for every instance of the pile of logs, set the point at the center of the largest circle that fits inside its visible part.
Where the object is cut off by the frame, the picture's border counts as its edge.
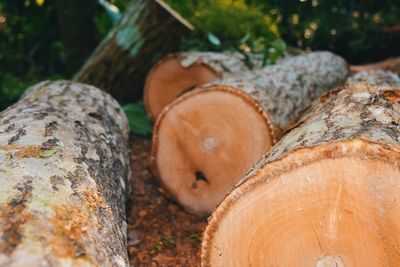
(326, 195)
(315, 198)
(297, 163)
(178, 73)
(205, 140)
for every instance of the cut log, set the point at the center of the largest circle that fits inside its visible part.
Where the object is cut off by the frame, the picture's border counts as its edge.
(120, 63)
(326, 195)
(208, 138)
(178, 73)
(390, 64)
(375, 77)
(64, 176)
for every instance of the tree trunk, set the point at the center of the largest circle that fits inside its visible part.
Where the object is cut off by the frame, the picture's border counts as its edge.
(375, 77)
(78, 31)
(205, 140)
(148, 30)
(326, 194)
(64, 175)
(178, 73)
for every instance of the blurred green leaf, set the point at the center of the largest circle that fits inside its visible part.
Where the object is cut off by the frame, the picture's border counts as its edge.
(47, 153)
(245, 38)
(213, 39)
(170, 240)
(112, 11)
(138, 120)
(279, 44)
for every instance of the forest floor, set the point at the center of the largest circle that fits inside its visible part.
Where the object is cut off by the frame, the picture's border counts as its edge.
(160, 233)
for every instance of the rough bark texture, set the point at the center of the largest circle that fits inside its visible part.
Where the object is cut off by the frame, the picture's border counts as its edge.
(285, 89)
(222, 63)
(64, 175)
(361, 112)
(148, 30)
(78, 30)
(375, 77)
(359, 121)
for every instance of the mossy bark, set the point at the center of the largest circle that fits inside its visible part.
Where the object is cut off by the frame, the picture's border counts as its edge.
(148, 30)
(64, 175)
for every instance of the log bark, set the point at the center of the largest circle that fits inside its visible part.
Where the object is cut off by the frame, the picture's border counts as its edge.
(178, 73)
(147, 31)
(284, 90)
(326, 193)
(390, 64)
(375, 77)
(64, 175)
(204, 141)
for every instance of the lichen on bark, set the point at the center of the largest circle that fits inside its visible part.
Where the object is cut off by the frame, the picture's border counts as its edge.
(375, 77)
(360, 111)
(64, 178)
(285, 89)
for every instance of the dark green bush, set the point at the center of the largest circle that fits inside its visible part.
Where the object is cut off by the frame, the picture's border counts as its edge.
(29, 48)
(360, 30)
(226, 24)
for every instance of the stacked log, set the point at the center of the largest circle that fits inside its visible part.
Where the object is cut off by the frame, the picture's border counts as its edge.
(64, 176)
(375, 77)
(179, 73)
(326, 195)
(121, 61)
(390, 64)
(207, 139)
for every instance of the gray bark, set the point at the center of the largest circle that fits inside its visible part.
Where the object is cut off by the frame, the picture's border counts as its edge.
(222, 63)
(285, 89)
(64, 175)
(375, 77)
(362, 111)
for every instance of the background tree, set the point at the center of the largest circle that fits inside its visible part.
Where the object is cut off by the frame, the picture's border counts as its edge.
(78, 30)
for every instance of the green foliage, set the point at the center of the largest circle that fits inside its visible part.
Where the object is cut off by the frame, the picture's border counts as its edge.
(28, 49)
(31, 49)
(12, 88)
(222, 24)
(230, 20)
(230, 25)
(361, 31)
(137, 116)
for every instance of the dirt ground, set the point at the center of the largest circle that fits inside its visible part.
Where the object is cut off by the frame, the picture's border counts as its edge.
(160, 233)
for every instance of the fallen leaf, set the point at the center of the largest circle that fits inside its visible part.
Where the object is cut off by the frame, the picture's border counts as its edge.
(47, 153)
